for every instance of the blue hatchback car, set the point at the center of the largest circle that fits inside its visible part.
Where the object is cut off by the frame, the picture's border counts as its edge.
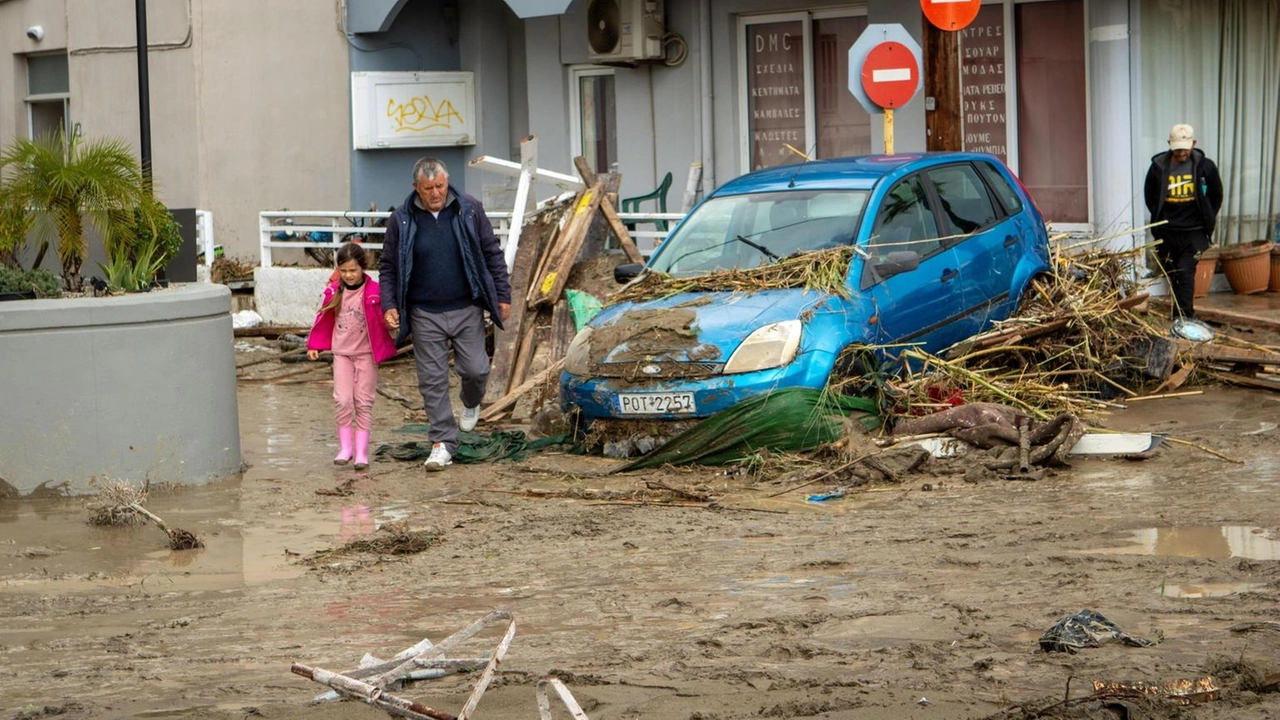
(944, 244)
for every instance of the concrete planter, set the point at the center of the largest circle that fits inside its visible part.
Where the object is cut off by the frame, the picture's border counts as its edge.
(134, 387)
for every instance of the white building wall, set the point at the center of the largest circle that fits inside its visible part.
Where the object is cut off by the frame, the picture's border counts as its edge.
(273, 113)
(249, 101)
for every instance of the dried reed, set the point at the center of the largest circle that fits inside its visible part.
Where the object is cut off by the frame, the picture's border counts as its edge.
(821, 270)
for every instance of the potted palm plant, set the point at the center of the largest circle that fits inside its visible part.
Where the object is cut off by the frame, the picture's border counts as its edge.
(64, 182)
(132, 386)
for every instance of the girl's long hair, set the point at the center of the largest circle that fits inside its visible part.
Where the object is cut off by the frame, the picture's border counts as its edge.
(350, 251)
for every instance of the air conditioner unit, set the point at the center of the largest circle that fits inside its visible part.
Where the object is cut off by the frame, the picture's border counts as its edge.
(624, 31)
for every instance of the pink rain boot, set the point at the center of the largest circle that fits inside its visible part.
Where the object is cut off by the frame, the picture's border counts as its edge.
(344, 445)
(362, 449)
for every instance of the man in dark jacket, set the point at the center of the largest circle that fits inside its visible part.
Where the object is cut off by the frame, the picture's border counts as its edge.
(441, 269)
(1184, 190)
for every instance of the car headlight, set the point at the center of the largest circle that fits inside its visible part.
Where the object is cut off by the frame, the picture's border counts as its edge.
(577, 359)
(768, 347)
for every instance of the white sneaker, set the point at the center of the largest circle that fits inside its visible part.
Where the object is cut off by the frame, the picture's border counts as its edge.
(439, 458)
(470, 416)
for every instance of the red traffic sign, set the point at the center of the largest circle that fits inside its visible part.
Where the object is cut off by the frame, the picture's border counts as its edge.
(890, 75)
(950, 14)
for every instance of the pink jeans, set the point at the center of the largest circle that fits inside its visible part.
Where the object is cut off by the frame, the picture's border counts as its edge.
(355, 382)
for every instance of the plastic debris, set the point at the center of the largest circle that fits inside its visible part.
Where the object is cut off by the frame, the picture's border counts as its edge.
(1087, 629)
(836, 494)
(245, 319)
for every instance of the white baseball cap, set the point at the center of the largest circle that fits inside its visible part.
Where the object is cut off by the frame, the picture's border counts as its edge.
(1182, 137)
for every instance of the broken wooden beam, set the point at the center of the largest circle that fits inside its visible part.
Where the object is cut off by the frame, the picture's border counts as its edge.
(1226, 353)
(549, 284)
(499, 408)
(370, 693)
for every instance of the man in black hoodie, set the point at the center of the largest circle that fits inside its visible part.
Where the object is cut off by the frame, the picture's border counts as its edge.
(1184, 190)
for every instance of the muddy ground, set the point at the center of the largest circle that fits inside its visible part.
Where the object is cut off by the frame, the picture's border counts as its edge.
(896, 601)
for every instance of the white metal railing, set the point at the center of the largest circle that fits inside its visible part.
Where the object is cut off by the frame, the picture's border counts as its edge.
(301, 229)
(204, 236)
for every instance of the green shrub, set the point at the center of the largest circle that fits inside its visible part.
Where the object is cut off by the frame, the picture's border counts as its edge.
(15, 221)
(16, 280)
(133, 270)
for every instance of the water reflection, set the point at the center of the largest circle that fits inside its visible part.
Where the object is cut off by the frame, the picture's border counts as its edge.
(1207, 541)
(1206, 590)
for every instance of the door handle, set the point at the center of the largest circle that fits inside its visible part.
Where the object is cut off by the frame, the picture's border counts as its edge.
(949, 274)
(1010, 240)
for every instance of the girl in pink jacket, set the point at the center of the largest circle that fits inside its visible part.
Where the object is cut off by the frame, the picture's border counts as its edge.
(350, 324)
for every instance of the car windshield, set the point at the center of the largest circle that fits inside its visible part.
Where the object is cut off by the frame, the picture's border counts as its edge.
(746, 231)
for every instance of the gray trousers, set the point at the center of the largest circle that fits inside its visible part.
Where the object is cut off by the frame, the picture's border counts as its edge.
(432, 334)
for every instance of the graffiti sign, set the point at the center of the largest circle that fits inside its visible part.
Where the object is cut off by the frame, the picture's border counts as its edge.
(412, 109)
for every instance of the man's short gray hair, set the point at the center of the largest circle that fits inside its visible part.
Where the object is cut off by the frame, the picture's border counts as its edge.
(428, 168)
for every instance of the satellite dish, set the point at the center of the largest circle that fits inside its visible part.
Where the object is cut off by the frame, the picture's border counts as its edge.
(604, 19)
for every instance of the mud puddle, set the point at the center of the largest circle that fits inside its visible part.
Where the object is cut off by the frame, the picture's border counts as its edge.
(49, 547)
(1205, 542)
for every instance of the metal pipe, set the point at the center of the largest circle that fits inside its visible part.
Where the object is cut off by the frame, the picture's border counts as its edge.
(704, 74)
(144, 93)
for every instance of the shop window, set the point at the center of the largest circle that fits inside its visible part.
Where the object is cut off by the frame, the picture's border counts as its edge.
(1047, 142)
(795, 97)
(48, 96)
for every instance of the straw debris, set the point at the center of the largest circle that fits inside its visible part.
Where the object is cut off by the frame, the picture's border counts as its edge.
(1080, 340)
(822, 270)
(393, 538)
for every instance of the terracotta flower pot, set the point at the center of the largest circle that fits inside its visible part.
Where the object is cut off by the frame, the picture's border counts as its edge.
(1274, 286)
(1205, 268)
(1247, 266)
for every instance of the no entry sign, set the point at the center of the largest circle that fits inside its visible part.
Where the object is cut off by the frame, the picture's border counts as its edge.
(890, 74)
(950, 14)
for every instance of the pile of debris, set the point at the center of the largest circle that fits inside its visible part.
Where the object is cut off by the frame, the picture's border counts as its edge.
(1083, 342)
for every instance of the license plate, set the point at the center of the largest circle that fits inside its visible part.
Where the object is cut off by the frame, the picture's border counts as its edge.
(673, 403)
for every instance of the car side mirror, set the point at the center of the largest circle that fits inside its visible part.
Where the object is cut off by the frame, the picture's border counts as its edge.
(897, 262)
(624, 274)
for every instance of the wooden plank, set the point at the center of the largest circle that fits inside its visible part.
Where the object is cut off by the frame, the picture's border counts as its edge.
(593, 244)
(562, 329)
(620, 232)
(1228, 317)
(584, 171)
(525, 347)
(508, 401)
(505, 343)
(543, 262)
(550, 285)
(1226, 354)
(1245, 380)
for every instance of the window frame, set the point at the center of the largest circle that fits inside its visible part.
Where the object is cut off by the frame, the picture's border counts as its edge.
(1012, 135)
(576, 73)
(997, 207)
(931, 204)
(29, 99)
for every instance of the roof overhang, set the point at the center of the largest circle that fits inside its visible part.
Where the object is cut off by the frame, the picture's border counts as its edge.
(537, 8)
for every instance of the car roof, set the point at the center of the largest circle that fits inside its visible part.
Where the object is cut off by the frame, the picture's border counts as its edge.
(851, 173)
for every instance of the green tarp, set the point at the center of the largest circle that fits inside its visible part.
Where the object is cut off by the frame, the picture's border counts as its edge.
(786, 420)
(473, 447)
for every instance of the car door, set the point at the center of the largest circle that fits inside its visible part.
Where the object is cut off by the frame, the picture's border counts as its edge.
(913, 306)
(985, 240)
